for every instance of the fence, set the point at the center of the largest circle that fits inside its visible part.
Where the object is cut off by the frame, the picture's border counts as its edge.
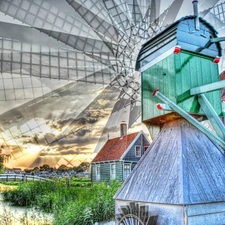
(20, 177)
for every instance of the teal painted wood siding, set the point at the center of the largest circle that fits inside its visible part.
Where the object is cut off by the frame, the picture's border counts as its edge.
(161, 76)
(119, 171)
(193, 71)
(174, 76)
(105, 171)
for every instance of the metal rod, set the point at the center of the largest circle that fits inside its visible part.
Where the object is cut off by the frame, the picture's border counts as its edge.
(214, 40)
(195, 7)
(212, 116)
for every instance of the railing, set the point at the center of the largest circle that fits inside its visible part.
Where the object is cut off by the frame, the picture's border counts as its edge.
(20, 177)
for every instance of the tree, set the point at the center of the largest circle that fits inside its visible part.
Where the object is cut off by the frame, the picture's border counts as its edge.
(35, 168)
(3, 158)
(1, 164)
(83, 167)
(45, 167)
(62, 168)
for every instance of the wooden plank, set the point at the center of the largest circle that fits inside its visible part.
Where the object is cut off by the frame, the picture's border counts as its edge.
(208, 88)
(182, 166)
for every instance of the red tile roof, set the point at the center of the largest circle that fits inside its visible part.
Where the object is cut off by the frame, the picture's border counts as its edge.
(114, 148)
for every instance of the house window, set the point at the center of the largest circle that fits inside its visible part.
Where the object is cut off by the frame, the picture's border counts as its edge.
(138, 151)
(126, 171)
(112, 171)
(145, 148)
(97, 172)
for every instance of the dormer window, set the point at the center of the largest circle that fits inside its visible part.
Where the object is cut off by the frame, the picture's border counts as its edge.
(145, 148)
(138, 151)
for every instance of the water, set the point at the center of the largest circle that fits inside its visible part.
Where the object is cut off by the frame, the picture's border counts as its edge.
(16, 215)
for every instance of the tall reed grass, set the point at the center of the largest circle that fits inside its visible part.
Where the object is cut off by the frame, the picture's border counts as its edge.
(75, 204)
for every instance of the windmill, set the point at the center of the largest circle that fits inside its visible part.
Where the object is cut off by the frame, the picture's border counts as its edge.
(180, 180)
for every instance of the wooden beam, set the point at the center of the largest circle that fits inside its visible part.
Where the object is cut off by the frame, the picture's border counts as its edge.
(213, 40)
(208, 87)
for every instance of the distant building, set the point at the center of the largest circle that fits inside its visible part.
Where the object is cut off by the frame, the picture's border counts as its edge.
(13, 171)
(119, 156)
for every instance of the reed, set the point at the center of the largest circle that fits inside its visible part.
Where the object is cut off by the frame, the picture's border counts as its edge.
(29, 217)
(81, 203)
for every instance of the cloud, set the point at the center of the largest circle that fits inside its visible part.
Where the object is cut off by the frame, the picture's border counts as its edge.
(59, 124)
(61, 150)
(60, 153)
(78, 140)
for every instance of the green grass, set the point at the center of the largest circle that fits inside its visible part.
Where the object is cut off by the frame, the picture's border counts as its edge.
(92, 205)
(13, 183)
(80, 203)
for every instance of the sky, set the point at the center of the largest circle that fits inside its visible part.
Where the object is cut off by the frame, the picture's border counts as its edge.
(68, 81)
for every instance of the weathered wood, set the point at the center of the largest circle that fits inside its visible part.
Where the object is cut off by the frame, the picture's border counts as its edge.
(180, 180)
(183, 166)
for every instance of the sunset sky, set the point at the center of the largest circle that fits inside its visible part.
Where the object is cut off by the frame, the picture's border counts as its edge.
(66, 86)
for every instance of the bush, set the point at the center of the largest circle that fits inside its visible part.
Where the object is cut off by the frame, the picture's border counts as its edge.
(47, 196)
(27, 193)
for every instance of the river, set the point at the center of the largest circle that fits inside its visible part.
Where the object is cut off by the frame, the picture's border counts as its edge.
(16, 215)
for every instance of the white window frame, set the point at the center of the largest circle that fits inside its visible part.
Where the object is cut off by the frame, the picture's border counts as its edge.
(98, 173)
(125, 175)
(136, 148)
(112, 171)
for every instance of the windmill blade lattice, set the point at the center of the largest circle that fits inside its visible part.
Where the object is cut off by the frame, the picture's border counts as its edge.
(78, 60)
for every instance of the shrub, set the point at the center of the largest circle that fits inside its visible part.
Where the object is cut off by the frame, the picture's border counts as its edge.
(27, 193)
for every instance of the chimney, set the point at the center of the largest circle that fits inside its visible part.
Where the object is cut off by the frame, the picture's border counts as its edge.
(123, 129)
(195, 8)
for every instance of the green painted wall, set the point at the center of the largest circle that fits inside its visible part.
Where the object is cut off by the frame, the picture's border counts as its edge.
(105, 171)
(119, 171)
(174, 76)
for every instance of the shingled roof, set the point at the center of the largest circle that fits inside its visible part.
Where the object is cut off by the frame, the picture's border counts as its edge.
(182, 166)
(115, 148)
